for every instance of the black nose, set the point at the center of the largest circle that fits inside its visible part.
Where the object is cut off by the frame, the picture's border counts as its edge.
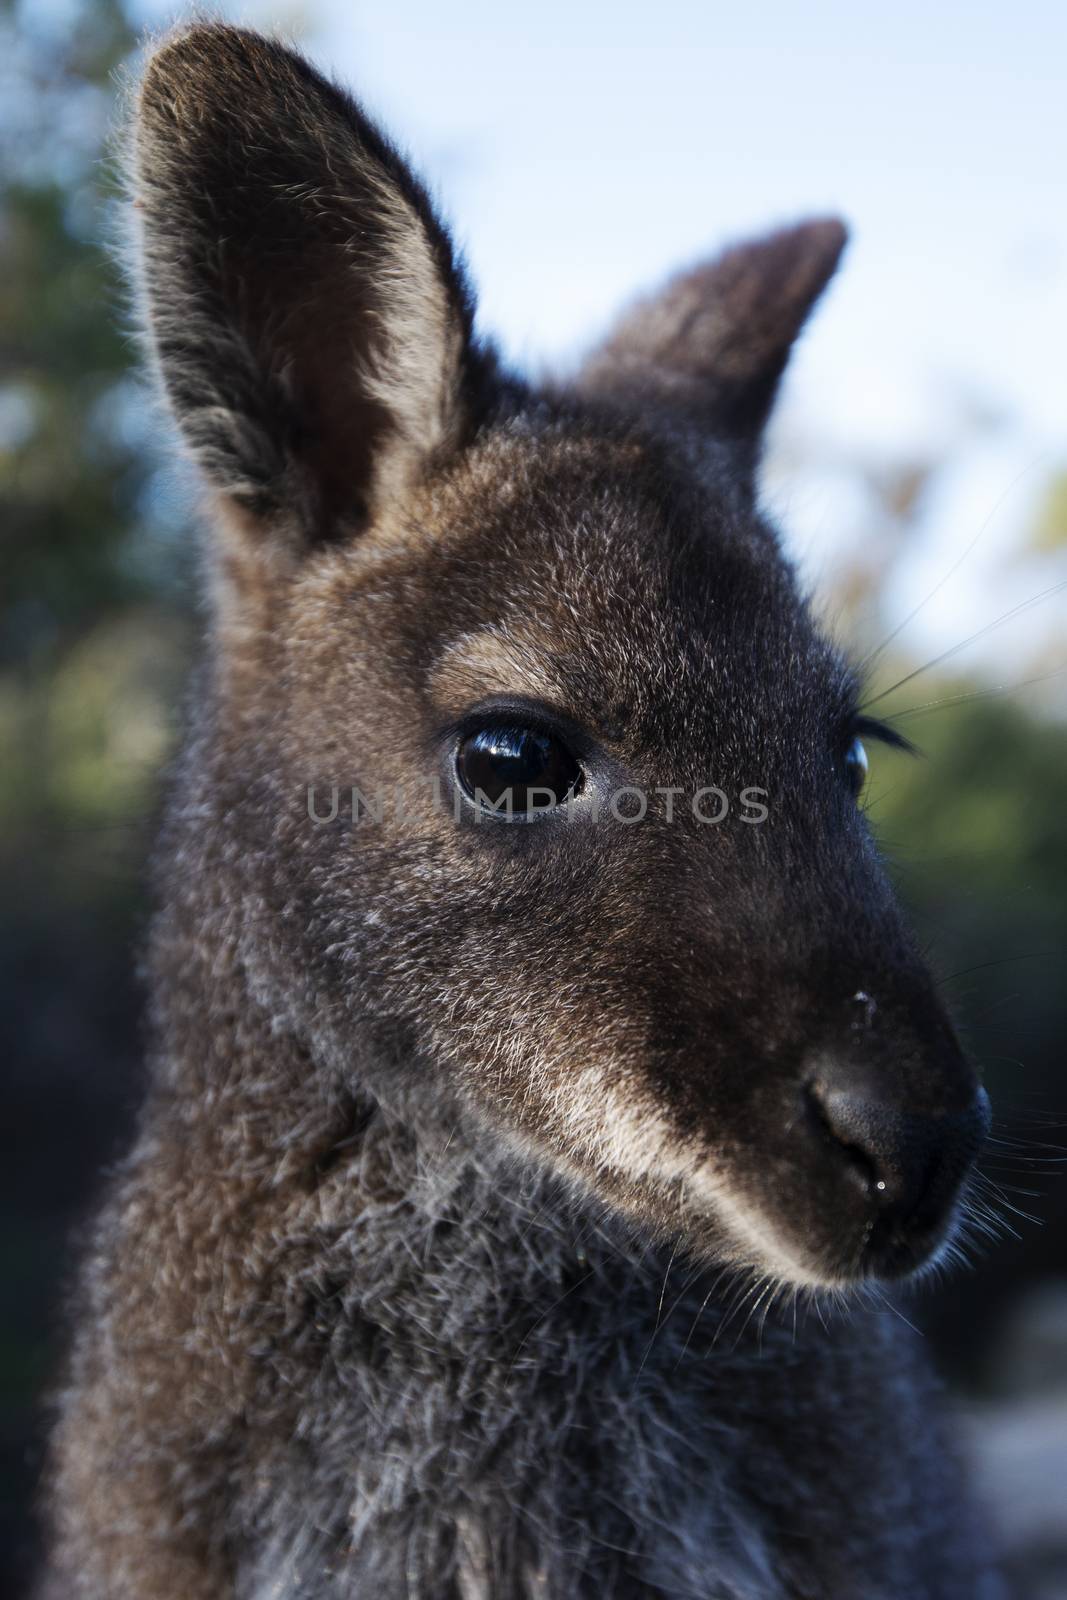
(908, 1164)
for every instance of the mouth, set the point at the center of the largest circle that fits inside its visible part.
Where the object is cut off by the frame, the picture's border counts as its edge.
(843, 1226)
(812, 1253)
(895, 1250)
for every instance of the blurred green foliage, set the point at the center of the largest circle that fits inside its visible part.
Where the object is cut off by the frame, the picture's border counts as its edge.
(91, 633)
(976, 828)
(1050, 528)
(94, 626)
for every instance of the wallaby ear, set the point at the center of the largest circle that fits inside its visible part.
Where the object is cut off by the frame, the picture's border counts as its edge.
(310, 323)
(714, 343)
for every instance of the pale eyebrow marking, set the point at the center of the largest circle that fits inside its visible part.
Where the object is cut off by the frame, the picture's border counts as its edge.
(493, 660)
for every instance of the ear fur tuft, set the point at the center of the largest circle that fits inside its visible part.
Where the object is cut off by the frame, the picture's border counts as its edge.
(712, 346)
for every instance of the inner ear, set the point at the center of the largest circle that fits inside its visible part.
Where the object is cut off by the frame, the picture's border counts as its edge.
(311, 325)
(308, 438)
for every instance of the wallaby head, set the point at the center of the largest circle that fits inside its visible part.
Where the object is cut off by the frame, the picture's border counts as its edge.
(715, 1020)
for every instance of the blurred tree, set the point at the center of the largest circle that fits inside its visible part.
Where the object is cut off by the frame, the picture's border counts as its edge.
(976, 831)
(80, 491)
(1050, 530)
(93, 618)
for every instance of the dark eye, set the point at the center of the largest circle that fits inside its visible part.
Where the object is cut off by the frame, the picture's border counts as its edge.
(516, 770)
(856, 766)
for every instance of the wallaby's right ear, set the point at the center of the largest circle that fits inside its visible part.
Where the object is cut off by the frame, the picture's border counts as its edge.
(312, 329)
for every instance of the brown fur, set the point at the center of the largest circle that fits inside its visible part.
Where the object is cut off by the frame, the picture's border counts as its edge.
(483, 1164)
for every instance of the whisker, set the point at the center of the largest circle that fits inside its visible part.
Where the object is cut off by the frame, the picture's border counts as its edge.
(947, 655)
(661, 1318)
(993, 693)
(700, 1309)
(1026, 1216)
(762, 1285)
(749, 1285)
(880, 649)
(999, 961)
(883, 1299)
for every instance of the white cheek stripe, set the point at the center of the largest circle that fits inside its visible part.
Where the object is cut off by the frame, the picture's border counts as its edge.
(640, 1142)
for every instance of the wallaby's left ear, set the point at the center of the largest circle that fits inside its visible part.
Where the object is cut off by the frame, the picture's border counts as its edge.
(713, 345)
(311, 326)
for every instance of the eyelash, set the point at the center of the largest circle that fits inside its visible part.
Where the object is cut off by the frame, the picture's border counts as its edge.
(883, 733)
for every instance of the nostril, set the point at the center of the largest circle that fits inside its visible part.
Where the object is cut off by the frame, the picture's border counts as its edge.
(908, 1164)
(848, 1122)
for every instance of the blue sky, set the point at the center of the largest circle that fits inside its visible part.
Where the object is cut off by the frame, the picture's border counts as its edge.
(583, 151)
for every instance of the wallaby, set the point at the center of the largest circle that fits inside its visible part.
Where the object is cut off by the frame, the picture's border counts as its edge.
(505, 1147)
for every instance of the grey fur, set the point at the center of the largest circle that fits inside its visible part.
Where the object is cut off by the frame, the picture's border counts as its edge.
(425, 1278)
